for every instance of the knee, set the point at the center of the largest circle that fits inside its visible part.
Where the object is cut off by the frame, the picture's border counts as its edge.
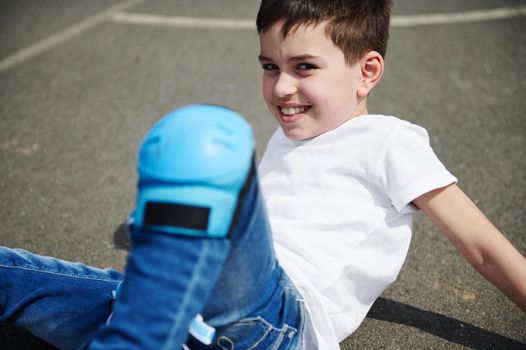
(192, 166)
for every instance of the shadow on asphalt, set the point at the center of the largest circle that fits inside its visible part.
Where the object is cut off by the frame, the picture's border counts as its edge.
(445, 327)
(15, 338)
(120, 239)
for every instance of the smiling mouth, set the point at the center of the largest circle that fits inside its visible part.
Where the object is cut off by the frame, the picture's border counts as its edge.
(288, 111)
(289, 115)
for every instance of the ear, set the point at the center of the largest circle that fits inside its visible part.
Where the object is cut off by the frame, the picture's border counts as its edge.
(371, 71)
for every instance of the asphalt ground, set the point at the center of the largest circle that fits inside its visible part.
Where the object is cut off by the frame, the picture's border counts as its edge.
(78, 89)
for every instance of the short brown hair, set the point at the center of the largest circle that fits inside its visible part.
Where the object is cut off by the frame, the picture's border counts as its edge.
(354, 26)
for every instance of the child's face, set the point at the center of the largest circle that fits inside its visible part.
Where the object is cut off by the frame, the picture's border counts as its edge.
(307, 84)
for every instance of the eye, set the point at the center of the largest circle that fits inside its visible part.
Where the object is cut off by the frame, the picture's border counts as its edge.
(269, 66)
(305, 66)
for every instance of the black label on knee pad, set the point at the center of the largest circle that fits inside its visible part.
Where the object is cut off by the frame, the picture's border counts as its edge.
(176, 215)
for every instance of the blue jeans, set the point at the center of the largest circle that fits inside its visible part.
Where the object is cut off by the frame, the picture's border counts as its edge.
(235, 283)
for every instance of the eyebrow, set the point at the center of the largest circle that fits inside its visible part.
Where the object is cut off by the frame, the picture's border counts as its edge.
(295, 58)
(304, 57)
(263, 58)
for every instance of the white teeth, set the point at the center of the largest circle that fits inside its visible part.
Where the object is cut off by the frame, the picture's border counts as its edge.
(292, 110)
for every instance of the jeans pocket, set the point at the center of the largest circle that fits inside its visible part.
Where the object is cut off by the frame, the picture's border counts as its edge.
(255, 333)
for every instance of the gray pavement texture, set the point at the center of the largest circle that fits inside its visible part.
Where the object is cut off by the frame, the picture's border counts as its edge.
(72, 116)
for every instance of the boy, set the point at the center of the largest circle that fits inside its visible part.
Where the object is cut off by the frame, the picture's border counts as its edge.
(340, 187)
(332, 161)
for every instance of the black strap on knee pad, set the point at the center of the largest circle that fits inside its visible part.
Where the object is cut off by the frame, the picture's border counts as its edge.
(176, 215)
(194, 217)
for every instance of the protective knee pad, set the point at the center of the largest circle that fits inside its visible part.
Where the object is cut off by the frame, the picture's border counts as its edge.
(192, 166)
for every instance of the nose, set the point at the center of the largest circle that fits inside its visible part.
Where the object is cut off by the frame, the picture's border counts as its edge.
(285, 86)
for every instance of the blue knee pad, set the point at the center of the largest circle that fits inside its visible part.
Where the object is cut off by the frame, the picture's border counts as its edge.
(192, 166)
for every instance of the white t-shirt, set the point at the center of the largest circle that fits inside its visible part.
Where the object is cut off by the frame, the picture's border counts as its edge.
(340, 210)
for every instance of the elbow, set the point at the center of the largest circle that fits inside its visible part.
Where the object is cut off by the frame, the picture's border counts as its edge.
(476, 257)
(487, 260)
(480, 261)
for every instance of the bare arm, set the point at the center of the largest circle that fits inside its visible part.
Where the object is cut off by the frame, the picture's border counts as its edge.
(481, 243)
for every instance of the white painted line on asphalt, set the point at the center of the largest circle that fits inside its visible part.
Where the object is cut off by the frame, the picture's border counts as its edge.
(396, 21)
(459, 17)
(115, 14)
(63, 35)
(178, 21)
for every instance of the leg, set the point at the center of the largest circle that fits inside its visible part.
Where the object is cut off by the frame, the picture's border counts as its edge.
(192, 167)
(61, 302)
(253, 305)
(204, 245)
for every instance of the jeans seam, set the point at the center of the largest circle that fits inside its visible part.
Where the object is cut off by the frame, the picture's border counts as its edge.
(187, 300)
(261, 339)
(278, 342)
(268, 329)
(58, 274)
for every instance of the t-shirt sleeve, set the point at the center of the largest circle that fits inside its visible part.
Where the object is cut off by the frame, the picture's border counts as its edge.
(411, 168)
